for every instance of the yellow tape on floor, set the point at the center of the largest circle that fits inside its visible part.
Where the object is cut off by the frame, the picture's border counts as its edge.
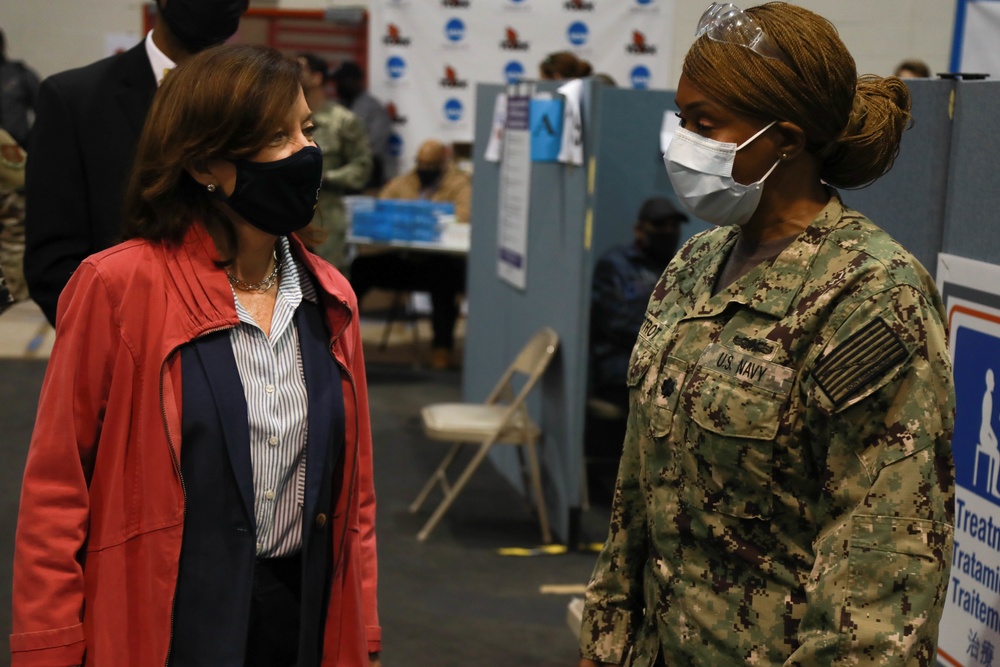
(562, 589)
(548, 549)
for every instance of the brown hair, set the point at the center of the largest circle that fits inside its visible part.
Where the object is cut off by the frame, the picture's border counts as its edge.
(853, 125)
(916, 67)
(564, 65)
(223, 103)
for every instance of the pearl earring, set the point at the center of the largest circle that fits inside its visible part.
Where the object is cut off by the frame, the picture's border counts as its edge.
(784, 156)
(210, 187)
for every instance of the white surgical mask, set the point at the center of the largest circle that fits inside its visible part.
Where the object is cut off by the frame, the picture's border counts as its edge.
(701, 171)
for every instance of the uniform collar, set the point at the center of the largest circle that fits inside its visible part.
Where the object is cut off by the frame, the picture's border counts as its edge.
(769, 289)
(783, 279)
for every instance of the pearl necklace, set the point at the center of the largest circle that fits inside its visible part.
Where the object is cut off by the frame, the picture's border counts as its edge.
(264, 285)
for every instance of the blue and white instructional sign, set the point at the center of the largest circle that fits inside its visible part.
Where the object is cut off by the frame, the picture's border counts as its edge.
(515, 193)
(970, 628)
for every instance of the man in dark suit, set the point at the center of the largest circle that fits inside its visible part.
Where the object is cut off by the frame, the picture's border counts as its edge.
(86, 128)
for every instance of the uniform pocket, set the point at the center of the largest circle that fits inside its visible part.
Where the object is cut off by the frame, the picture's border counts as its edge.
(663, 392)
(658, 389)
(729, 444)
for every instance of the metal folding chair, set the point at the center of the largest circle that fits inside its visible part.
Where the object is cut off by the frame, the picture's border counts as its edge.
(503, 418)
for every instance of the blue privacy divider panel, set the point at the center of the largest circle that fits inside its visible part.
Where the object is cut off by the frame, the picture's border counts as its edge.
(622, 135)
(501, 318)
(973, 200)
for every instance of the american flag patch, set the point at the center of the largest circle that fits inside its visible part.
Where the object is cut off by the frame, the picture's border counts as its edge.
(865, 355)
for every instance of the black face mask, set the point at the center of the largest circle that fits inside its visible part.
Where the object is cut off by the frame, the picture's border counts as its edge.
(661, 246)
(199, 24)
(428, 177)
(277, 197)
(348, 91)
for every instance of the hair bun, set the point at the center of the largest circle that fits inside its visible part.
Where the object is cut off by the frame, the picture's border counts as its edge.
(870, 143)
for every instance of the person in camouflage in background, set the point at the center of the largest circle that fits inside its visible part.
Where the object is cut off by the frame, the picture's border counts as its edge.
(12, 161)
(6, 300)
(347, 160)
(786, 491)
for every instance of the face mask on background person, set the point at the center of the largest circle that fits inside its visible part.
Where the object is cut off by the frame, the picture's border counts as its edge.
(199, 24)
(701, 171)
(428, 177)
(661, 245)
(277, 197)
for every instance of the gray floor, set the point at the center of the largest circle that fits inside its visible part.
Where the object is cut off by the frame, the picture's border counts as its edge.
(450, 601)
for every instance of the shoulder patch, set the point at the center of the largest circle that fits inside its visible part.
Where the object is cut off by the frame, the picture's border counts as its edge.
(867, 354)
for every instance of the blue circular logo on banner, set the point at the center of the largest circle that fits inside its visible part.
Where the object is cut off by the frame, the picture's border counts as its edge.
(395, 145)
(453, 109)
(395, 66)
(577, 33)
(640, 77)
(517, 2)
(513, 72)
(644, 2)
(455, 30)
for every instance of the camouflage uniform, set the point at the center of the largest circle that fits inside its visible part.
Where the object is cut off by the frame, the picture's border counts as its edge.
(786, 491)
(12, 161)
(6, 300)
(347, 163)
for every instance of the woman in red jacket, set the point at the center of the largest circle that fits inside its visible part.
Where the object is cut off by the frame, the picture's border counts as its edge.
(198, 489)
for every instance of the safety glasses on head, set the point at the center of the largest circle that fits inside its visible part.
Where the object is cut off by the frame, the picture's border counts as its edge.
(725, 22)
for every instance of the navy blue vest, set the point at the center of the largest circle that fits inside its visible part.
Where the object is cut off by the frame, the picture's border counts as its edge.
(215, 578)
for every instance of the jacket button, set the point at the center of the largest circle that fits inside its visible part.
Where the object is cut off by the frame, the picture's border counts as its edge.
(320, 520)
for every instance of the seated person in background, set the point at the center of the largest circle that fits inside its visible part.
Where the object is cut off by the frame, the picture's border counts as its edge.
(913, 69)
(347, 158)
(624, 278)
(563, 65)
(433, 179)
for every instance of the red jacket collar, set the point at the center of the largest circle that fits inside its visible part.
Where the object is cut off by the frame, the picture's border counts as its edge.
(205, 291)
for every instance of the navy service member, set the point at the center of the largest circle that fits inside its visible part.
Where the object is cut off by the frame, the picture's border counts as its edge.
(786, 491)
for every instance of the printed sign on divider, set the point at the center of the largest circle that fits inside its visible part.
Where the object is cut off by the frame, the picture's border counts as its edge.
(970, 628)
(515, 191)
(546, 129)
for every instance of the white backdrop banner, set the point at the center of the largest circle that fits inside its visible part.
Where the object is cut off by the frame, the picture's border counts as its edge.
(426, 56)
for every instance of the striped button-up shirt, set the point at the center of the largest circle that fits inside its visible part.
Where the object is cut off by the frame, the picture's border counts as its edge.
(270, 369)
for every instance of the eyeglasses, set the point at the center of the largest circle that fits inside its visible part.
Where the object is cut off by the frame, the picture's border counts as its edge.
(725, 22)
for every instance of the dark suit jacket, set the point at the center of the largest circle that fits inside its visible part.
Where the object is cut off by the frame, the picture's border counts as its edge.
(216, 572)
(80, 153)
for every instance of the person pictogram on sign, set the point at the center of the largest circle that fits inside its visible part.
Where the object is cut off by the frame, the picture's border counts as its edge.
(987, 439)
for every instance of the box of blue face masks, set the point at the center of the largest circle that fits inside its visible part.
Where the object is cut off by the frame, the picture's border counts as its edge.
(400, 219)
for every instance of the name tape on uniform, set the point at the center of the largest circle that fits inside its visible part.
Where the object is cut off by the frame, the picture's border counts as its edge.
(747, 367)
